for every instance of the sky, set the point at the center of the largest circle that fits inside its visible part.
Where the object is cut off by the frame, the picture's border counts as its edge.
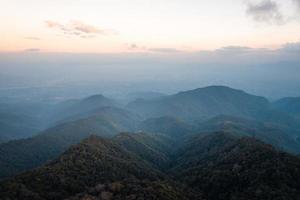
(156, 26)
(117, 46)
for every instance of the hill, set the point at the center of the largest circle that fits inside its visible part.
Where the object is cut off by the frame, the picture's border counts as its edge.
(156, 149)
(222, 166)
(24, 154)
(218, 166)
(283, 138)
(78, 108)
(25, 119)
(15, 126)
(20, 120)
(143, 95)
(95, 167)
(202, 103)
(93, 161)
(290, 105)
(170, 126)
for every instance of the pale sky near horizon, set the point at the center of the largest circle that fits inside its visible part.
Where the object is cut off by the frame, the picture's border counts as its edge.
(111, 26)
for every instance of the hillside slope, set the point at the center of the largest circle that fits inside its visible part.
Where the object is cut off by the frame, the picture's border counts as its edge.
(170, 126)
(289, 105)
(221, 167)
(95, 167)
(24, 154)
(93, 161)
(283, 138)
(218, 166)
(202, 103)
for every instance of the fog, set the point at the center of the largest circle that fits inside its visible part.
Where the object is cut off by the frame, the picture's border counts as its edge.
(40, 75)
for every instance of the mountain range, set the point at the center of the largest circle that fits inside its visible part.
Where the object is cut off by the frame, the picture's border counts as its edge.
(202, 103)
(209, 143)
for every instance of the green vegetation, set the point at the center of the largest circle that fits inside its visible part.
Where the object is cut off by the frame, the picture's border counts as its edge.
(218, 166)
(170, 126)
(281, 137)
(289, 105)
(202, 103)
(211, 143)
(19, 155)
(17, 125)
(222, 166)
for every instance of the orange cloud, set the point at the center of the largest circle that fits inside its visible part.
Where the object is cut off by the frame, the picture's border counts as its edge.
(78, 28)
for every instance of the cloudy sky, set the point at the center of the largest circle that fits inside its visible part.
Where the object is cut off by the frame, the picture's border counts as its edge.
(168, 26)
(156, 45)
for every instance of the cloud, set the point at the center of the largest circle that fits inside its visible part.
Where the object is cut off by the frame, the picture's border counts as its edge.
(135, 47)
(297, 3)
(32, 38)
(32, 50)
(235, 49)
(291, 47)
(164, 50)
(80, 29)
(240, 50)
(266, 11)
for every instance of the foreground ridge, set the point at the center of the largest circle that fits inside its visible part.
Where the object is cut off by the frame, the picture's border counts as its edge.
(214, 166)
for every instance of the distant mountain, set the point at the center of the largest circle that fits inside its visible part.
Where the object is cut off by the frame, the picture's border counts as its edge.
(144, 95)
(125, 119)
(76, 109)
(210, 143)
(13, 126)
(280, 137)
(202, 103)
(20, 120)
(224, 167)
(170, 126)
(289, 105)
(24, 154)
(96, 118)
(217, 166)
(25, 119)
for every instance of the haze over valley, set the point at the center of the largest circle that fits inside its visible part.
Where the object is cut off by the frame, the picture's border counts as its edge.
(150, 100)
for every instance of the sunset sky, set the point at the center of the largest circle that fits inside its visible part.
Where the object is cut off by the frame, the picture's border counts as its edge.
(112, 26)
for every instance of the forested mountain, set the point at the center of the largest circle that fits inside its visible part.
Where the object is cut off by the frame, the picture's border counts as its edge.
(214, 166)
(143, 95)
(198, 105)
(171, 126)
(19, 155)
(202, 103)
(25, 119)
(168, 148)
(78, 108)
(222, 166)
(96, 166)
(289, 105)
(77, 119)
(15, 126)
(153, 148)
(281, 137)
(93, 161)
(20, 120)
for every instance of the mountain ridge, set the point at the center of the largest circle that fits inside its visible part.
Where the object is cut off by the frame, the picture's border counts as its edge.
(202, 103)
(218, 166)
